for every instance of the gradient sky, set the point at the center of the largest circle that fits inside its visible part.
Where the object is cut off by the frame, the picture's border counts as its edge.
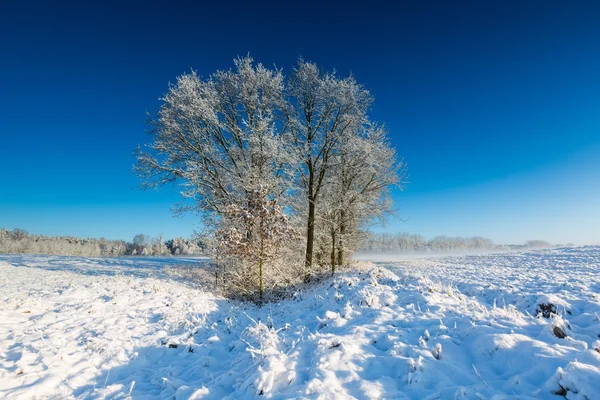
(495, 106)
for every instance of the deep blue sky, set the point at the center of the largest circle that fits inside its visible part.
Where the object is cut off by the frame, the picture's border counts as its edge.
(495, 106)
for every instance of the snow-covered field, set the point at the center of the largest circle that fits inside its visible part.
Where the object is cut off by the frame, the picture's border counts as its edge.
(447, 328)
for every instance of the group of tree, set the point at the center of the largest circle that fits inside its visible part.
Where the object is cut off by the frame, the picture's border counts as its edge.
(407, 242)
(18, 241)
(537, 244)
(148, 246)
(286, 171)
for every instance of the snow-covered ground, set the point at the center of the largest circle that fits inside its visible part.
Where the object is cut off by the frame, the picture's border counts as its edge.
(447, 328)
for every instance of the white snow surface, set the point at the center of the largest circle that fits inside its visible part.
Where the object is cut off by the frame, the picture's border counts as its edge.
(464, 327)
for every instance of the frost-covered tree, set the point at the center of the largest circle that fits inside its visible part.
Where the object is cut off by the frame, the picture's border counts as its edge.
(181, 246)
(219, 138)
(223, 138)
(254, 235)
(158, 246)
(363, 170)
(141, 243)
(19, 241)
(322, 111)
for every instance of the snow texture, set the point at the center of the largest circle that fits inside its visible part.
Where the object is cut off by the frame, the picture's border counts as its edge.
(468, 327)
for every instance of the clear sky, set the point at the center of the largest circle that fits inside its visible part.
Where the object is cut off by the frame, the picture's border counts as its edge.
(494, 105)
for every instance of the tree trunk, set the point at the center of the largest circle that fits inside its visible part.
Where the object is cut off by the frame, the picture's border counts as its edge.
(333, 255)
(341, 254)
(260, 270)
(260, 279)
(310, 236)
(217, 269)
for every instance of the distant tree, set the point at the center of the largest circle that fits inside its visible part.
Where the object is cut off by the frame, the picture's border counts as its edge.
(537, 244)
(19, 234)
(181, 246)
(401, 242)
(158, 246)
(19, 241)
(141, 243)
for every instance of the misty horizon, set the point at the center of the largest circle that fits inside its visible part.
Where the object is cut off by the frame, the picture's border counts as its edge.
(391, 234)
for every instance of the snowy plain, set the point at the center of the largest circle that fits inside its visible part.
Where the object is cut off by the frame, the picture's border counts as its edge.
(468, 327)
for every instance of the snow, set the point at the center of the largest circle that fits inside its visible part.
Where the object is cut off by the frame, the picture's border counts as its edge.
(468, 327)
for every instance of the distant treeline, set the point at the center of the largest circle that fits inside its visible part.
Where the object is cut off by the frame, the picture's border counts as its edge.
(18, 241)
(407, 242)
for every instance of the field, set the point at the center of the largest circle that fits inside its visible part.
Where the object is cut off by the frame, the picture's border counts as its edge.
(516, 325)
